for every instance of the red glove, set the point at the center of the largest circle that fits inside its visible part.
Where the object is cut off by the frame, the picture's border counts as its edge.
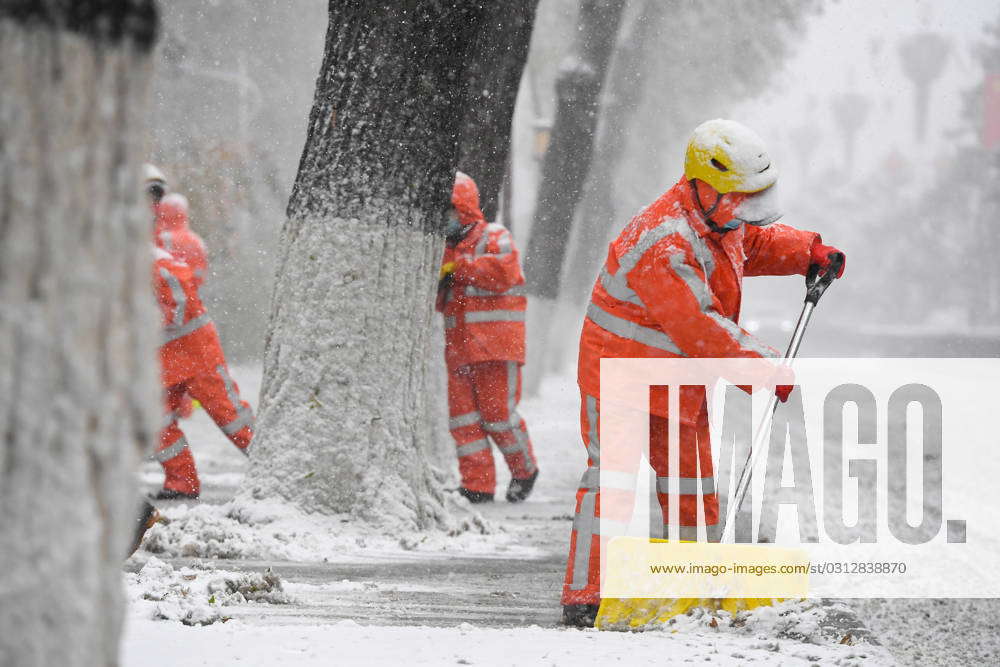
(824, 255)
(784, 375)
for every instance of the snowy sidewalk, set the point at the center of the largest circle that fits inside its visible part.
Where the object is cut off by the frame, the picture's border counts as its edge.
(347, 598)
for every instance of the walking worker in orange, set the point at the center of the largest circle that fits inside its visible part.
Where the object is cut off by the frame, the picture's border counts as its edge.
(482, 299)
(671, 287)
(192, 362)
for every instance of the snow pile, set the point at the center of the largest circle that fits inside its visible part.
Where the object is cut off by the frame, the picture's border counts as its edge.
(263, 530)
(196, 596)
(815, 622)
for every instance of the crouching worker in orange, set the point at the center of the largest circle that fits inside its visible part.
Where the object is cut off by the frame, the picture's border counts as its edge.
(192, 362)
(671, 287)
(481, 297)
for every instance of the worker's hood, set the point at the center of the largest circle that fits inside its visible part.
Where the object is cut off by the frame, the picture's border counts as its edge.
(171, 213)
(465, 199)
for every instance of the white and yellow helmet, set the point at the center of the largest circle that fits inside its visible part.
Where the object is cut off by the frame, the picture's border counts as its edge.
(730, 157)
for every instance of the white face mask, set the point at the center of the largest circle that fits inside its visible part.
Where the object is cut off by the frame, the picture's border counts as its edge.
(759, 209)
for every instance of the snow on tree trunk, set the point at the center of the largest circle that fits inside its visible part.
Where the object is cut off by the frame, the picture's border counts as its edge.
(78, 326)
(492, 81)
(343, 423)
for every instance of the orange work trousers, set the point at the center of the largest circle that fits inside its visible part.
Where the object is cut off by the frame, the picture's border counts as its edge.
(482, 402)
(583, 576)
(219, 396)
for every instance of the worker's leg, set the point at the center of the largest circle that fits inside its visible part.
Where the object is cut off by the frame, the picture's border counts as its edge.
(604, 503)
(220, 397)
(695, 476)
(497, 385)
(173, 452)
(475, 459)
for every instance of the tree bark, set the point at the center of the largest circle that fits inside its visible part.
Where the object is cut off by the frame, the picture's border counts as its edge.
(344, 419)
(78, 324)
(567, 162)
(492, 81)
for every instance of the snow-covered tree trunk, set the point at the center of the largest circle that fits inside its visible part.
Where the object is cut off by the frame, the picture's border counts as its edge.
(78, 326)
(343, 423)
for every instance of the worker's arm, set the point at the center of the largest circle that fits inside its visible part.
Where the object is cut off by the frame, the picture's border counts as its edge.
(671, 284)
(497, 269)
(165, 296)
(777, 250)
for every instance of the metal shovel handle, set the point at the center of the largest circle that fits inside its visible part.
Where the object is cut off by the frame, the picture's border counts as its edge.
(816, 285)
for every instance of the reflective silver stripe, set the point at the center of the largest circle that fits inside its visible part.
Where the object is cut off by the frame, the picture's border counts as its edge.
(170, 452)
(518, 426)
(630, 330)
(450, 322)
(244, 418)
(473, 447)
(167, 239)
(512, 390)
(687, 485)
(180, 298)
(494, 316)
(472, 290)
(468, 419)
(591, 478)
(481, 244)
(511, 449)
(616, 285)
(594, 446)
(504, 243)
(647, 240)
(585, 527)
(172, 333)
(742, 338)
(501, 427)
(700, 249)
(699, 288)
(714, 532)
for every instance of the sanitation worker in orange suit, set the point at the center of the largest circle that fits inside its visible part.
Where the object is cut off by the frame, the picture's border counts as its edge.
(481, 297)
(671, 287)
(191, 362)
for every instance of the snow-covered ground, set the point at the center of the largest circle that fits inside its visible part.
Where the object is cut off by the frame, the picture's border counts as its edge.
(261, 585)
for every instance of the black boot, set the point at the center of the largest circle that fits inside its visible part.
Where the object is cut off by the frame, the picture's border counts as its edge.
(520, 489)
(579, 615)
(170, 494)
(475, 497)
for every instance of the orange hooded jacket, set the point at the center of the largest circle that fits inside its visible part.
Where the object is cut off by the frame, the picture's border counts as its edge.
(485, 305)
(190, 341)
(671, 287)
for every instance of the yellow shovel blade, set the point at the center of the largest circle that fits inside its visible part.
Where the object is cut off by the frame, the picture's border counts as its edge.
(633, 613)
(639, 565)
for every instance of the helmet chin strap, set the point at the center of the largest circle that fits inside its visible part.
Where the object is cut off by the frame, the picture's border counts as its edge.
(712, 224)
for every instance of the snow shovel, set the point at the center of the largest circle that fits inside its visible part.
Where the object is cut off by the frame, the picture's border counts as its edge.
(633, 613)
